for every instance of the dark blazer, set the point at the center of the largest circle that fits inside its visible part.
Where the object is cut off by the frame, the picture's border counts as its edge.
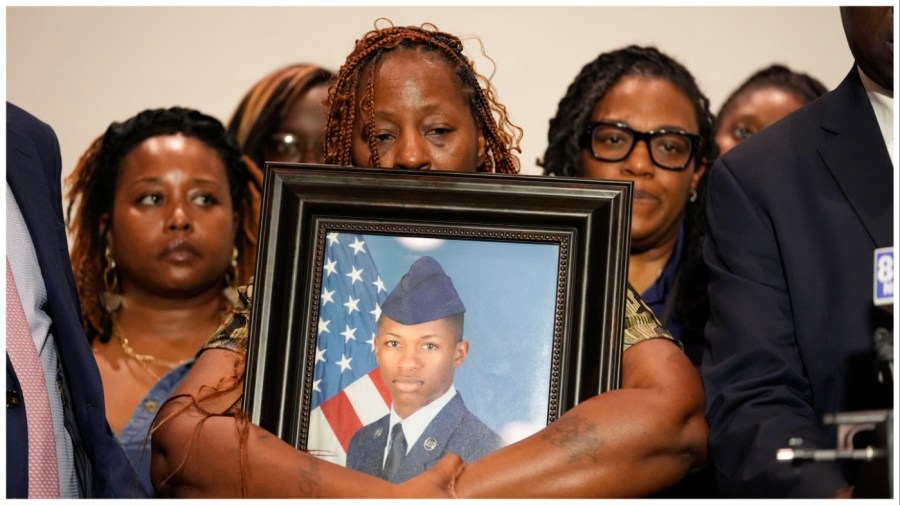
(795, 213)
(453, 430)
(33, 171)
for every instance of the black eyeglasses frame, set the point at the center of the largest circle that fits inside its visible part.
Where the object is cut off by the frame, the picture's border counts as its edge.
(588, 133)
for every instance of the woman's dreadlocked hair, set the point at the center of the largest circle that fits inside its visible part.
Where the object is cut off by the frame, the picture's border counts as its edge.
(501, 136)
(91, 191)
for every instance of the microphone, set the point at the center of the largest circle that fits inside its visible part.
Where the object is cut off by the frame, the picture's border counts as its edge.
(875, 478)
(884, 352)
(883, 296)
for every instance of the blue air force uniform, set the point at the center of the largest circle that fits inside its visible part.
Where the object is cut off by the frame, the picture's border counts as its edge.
(424, 294)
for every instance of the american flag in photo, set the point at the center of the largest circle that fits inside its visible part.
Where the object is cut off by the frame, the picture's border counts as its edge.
(348, 392)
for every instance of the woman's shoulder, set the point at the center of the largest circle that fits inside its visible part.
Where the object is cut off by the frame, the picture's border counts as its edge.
(640, 322)
(233, 334)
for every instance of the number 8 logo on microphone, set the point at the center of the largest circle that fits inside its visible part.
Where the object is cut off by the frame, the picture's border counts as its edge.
(884, 276)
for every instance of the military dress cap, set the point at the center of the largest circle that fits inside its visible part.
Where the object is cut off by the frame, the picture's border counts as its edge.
(424, 294)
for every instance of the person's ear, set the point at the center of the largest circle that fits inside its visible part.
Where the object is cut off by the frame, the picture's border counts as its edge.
(236, 226)
(699, 170)
(482, 146)
(104, 230)
(482, 149)
(462, 352)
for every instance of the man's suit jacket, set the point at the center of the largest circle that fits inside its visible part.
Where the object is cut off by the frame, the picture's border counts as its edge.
(453, 430)
(795, 213)
(33, 173)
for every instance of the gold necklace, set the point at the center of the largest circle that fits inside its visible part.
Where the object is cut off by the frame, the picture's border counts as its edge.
(148, 360)
(145, 360)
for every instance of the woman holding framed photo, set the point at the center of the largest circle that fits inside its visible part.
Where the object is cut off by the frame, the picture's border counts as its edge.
(408, 98)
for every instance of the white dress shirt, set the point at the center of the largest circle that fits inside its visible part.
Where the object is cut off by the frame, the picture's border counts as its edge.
(30, 283)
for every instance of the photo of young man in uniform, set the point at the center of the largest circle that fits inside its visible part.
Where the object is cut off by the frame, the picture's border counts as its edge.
(418, 347)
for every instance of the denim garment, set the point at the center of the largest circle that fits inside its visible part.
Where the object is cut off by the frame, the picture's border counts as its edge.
(134, 437)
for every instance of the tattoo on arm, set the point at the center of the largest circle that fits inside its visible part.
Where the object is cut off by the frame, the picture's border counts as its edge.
(308, 481)
(577, 436)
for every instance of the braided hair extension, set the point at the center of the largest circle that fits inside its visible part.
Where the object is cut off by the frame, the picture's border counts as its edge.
(91, 192)
(803, 87)
(264, 106)
(563, 154)
(501, 136)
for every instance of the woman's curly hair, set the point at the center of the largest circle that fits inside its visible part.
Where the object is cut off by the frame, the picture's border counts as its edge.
(501, 136)
(91, 192)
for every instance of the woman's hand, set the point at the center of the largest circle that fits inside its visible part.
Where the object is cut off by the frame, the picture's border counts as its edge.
(438, 481)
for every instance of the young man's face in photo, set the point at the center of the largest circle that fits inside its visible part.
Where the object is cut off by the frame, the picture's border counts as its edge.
(418, 361)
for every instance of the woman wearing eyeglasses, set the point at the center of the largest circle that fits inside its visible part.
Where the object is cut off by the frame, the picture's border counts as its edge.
(636, 114)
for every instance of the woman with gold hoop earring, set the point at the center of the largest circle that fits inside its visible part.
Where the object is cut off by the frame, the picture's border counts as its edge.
(163, 211)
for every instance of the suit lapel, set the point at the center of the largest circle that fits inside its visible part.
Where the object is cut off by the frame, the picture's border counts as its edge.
(858, 159)
(28, 180)
(29, 184)
(25, 176)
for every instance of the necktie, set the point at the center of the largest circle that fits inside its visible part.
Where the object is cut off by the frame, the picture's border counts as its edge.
(43, 473)
(396, 453)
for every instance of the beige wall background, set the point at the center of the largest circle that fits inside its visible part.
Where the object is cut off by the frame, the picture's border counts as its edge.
(80, 68)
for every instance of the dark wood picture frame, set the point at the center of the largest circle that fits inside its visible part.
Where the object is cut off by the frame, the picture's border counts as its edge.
(588, 219)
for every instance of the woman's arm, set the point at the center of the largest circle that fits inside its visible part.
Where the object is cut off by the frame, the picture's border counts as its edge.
(198, 455)
(632, 441)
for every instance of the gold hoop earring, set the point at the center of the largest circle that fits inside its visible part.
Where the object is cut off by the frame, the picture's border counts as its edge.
(110, 296)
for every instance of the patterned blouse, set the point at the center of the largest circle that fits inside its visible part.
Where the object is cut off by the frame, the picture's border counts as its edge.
(640, 323)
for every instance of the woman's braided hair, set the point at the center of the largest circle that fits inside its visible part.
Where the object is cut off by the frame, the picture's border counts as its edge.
(91, 192)
(501, 136)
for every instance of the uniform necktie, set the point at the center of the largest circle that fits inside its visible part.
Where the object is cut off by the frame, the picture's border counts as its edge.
(43, 472)
(396, 453)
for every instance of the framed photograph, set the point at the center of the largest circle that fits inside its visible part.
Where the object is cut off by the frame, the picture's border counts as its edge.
(537, 264)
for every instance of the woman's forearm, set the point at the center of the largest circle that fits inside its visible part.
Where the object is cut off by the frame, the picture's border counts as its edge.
(199, 454)
(633, 441)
